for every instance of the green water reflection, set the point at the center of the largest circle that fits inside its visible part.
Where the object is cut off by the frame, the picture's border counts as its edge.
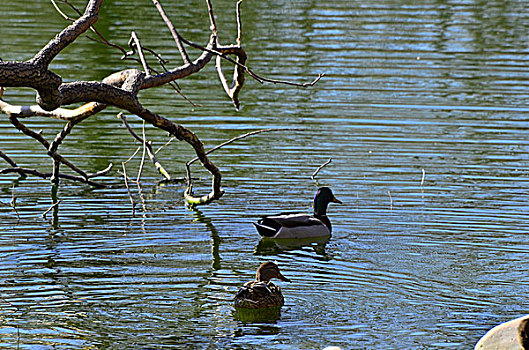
(436, 86)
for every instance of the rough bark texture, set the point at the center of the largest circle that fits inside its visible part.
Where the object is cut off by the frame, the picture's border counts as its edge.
(119, 90)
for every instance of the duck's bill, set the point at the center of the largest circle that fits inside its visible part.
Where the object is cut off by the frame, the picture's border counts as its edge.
(336, 200)
(283, 278)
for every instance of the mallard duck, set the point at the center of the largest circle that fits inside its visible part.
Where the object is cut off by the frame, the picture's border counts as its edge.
(300, 225)
(261, 293)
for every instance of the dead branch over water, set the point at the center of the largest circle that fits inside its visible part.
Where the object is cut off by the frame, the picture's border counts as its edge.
(120, 90)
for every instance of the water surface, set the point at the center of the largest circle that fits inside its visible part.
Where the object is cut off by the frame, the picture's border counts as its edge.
(438, 88)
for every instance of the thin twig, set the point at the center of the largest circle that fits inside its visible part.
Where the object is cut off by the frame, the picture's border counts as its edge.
(26, 171)
(146, 145)
(188, 194)
(390, 201)
(312, 83)
(320, 167)
(125, 178)
(72, 7)
(103, 40)
(174, 85)
(176, 36)
(239, 24)
(422, 180)
(60, 11)
(140, 170)
(101, 172)
(13, 202)
(238, 138)
(133, 155)
(213, 25)
(50, 208)
(254, 75)
(8, 159)
(165, 145)
(134, 40)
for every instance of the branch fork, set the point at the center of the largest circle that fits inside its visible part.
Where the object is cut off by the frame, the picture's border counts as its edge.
(120, 90)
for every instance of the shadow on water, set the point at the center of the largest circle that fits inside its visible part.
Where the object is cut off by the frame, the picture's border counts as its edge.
(267, 246)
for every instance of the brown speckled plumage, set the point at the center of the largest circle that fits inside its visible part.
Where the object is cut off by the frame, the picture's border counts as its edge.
(261, 293)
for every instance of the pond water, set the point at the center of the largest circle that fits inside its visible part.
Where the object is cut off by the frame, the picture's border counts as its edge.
(423, 111)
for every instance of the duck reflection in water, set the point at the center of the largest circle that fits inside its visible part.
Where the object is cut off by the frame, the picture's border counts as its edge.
(268, 246)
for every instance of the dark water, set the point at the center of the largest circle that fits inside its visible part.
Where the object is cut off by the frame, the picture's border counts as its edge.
(438, 86)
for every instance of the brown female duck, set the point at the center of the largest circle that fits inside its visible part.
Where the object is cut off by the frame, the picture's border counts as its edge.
(261, 293)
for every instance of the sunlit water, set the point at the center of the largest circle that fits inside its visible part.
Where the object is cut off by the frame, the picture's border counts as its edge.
(434, 89)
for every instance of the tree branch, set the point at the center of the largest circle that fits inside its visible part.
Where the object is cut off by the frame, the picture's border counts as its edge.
(8, 159)
(313, 176)
(148, 145)
(192, 200)
(176, 36)
(44, 57)
(121, 90)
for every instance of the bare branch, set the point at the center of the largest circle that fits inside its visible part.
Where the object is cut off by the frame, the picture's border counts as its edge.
(13, 202)
(121, 90)
(206, 199)
(81, 113)
(183, 71)
(68, 35)
(238, 79)
(125, 178)
(238, 73)
(51, 208)
(27, 171)
(52, 151)
(146, 145)
(142, 155)
(239, 24)
(213, 25)
(101, 172)
(134, 40)
(320, 167)
(177, 38)
(102, 38)
(8, 159)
